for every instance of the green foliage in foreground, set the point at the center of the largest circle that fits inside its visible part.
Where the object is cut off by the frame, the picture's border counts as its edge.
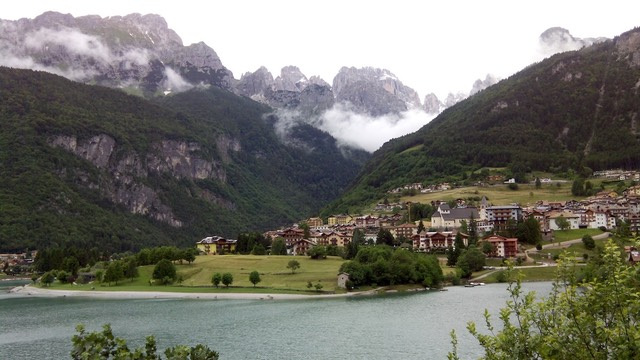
(104, 345)
(596, 319)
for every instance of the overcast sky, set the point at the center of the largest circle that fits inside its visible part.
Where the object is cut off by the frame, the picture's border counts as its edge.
(438, 47)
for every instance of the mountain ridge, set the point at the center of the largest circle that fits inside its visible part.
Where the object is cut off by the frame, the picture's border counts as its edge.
(575, 110)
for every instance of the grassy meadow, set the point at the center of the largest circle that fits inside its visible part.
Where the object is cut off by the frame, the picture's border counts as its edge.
(501, 194)
(196, 277)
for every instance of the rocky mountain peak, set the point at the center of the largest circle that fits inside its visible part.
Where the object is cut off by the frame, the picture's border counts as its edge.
(291, 79)
(374, 91)
(254, 84)
(133, 51)
(558, 39)
(480, 85)
(432, 105)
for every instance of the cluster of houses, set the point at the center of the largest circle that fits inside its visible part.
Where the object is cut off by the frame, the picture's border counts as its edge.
(604, 210)
(338, 231)
(16, 263)
(419, 187)
(618, 174)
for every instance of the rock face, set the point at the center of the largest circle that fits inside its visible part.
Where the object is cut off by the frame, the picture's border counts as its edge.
(374, 91)
(123, 185)
(135, 51)
(290, 79)
(367, 90)
(290, 90)
(141, 54)
(432, 105)
(557, 39)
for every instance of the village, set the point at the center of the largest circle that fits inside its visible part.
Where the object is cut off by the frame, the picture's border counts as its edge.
(606, 210)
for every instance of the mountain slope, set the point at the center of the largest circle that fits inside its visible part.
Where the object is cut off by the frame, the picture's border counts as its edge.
(573, 110)
(94, 167)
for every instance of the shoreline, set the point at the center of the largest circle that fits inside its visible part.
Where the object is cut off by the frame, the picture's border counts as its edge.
(31, 291)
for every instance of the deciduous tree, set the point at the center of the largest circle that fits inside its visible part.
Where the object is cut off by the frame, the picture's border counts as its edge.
(278, 247)
(562, 222)
(588, 242)
(293, 265)
(48, 278)
(597, 319)
(227, 279)
(254, 277)
(384, 237)
(114, 272)
(471, 259)
(165, 271)
(104, 345)
(216, 279)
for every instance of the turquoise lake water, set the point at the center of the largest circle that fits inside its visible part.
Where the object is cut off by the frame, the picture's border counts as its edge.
(396, 326)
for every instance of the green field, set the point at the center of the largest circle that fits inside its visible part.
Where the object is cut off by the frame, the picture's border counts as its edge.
(275, 276)
(501, 194)
(542, 273)
(565, 235)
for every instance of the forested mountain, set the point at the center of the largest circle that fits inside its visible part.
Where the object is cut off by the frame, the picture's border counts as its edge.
(93, 167)
(573, 110)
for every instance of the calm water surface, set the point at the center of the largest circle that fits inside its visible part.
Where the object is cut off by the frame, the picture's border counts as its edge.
(397, 326)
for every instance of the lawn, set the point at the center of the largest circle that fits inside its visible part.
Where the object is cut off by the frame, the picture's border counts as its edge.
(565, 235)
(501, 194)
(275, 276)
(542, 273)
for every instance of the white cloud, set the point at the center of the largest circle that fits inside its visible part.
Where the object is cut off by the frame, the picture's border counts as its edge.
(71, 73)
(136, 56)
(369, 133)
(353, 129)
(73, 40)
(175, 82)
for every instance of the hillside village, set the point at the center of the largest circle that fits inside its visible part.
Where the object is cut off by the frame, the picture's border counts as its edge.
(604, 210)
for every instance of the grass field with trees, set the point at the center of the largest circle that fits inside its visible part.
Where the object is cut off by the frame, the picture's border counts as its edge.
(196, 277)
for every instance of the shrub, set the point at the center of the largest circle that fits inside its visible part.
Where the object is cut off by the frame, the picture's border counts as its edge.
(588, 242)
(164, 271)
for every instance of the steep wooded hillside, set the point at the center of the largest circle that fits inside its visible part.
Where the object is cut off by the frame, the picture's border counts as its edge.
(573, 110)
(93, 167)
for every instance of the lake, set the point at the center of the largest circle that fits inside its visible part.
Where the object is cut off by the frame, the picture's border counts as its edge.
(394, 326)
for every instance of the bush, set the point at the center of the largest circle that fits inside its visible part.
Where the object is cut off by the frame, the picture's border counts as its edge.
(100, 345)
(538, 246)
(349, 285)
(502, 277)
(62, 276)
(165, 271)
(588, 242)
(317, 252)
(453, 278)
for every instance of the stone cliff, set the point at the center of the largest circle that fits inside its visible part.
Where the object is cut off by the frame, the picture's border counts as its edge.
(133, 51)
(122, 179)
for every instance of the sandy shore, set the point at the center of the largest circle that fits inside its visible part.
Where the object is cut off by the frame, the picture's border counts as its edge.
(29, 290)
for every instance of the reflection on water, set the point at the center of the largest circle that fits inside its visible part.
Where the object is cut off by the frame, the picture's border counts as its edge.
(399, 326)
